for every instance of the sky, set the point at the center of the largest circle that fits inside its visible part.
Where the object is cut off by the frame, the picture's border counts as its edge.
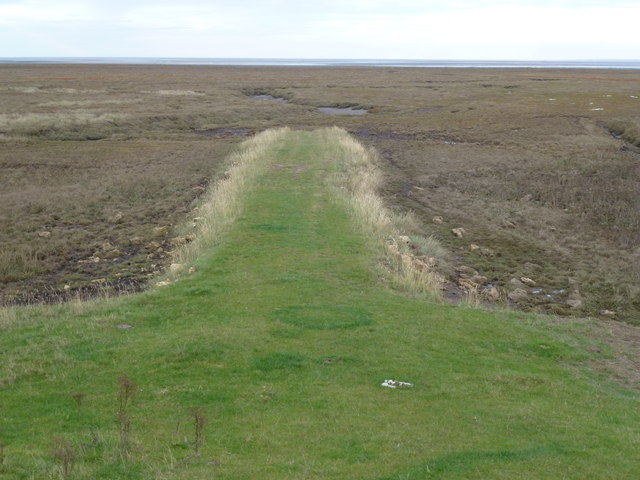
(339, 29)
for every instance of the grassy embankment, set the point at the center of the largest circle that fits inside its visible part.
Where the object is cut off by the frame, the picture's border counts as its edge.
(279, 342)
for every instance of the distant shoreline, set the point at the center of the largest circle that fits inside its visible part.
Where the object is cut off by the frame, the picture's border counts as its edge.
(255, 62)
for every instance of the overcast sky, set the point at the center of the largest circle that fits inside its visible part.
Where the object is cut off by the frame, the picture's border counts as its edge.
(380, 29)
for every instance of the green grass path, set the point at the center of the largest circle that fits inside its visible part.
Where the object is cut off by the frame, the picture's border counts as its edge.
(283, 337)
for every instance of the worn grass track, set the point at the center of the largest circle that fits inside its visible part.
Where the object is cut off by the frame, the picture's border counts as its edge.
(282, 338)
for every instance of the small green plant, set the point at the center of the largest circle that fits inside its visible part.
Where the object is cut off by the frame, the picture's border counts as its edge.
(2, 457)
(64, 452)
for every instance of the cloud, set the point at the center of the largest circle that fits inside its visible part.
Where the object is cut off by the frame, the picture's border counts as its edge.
(482, 29)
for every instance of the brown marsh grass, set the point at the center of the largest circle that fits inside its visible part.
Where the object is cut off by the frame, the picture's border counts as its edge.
(540, 167)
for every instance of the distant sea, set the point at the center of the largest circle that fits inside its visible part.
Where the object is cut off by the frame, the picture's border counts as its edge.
(304, 62)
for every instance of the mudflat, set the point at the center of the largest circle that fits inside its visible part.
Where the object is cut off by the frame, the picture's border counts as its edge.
(540, 168)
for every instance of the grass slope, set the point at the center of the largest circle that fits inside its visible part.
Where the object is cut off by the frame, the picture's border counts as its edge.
(281, 340)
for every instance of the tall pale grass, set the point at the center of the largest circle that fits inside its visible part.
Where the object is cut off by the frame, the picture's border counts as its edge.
(40, 123)
(223, 203)
(8, 318)
(403, 257)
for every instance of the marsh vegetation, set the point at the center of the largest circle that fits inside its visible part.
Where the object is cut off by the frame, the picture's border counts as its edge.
(539, 167)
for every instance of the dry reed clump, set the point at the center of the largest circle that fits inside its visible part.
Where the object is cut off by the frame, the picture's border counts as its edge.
(223, 203)
(35, 124)
(411, 261)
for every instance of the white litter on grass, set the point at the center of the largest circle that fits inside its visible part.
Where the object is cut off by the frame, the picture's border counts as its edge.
(395, 384)
(596, 109)
(633, 96)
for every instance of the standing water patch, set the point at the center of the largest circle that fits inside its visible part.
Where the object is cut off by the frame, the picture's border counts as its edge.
(269, 98)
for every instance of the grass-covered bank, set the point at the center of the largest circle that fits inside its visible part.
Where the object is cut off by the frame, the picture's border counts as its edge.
(280, 341)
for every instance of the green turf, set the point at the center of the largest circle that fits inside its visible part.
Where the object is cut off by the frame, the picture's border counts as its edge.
(283, 337)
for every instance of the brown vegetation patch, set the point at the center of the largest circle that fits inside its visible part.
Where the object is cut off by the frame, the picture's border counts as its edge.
(524, 161)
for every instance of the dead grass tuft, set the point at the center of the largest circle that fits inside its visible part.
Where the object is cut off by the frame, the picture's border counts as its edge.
(223, 203)
(403, 258)
(37, 124)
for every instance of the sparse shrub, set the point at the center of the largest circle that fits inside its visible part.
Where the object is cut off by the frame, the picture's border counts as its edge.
(126, 393)
(198, 424)
(78, 398)
(64, 452)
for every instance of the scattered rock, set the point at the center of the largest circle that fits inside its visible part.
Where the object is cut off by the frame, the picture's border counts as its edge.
(393, 248)
(518, 295)
(44, 234)
(438, 220)
(192, 270)
(99, 280)
(92, 259)
(425, 263)
(487, 252)
(528, 282)
(163, 283)
(516, 283)
(161, 230)
(152, 246)
(135, 241)
(117, 218)
(106, 246)
(607, 313)
(421, 264)
(395, 384)
(491, 293)
(479, 279)
(197, 219)
(508, 224)
(574, 302)
(177, 241)
(532, 266)
(114, 253)
(67, 287)
(404, 239)
(458, 232)
(474, 248)
(575, 299)
(176, 268)
(463, 269)
(467, 284)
